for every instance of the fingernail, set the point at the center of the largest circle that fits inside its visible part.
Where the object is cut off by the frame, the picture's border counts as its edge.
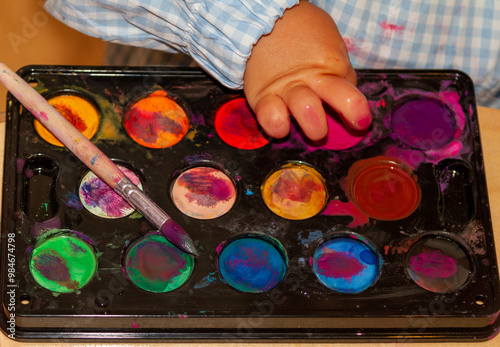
(364, 122)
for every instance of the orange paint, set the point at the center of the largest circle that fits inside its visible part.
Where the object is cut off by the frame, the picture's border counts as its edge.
(78, 111)
(295, 191)
(383, 188)
(156, 121)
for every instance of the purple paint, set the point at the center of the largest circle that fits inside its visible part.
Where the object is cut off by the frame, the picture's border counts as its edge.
(38, 229)
(20, 165)
(97, 197)
(424, 123)
(96, 193)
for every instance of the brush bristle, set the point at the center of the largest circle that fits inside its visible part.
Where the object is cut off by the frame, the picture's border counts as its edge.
(175, 234)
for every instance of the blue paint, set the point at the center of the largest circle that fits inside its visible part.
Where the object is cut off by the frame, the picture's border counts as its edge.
(253, 264)
(312, 236)
(346, 264)
(205, 282)
(249, 192)
(94, 159)
(72, 200)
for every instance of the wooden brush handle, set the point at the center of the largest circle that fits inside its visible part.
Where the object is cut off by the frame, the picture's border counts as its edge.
(61, 128)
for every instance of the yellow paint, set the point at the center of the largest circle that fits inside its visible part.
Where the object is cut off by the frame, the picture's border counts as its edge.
(78, 111)
(295, 191)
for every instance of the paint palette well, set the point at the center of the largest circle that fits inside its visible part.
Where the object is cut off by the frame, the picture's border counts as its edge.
(378, 235)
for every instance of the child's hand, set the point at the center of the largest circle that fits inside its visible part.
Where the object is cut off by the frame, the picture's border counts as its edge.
(301, 63)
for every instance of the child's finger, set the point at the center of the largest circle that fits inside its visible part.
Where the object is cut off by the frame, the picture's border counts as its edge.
(307, 109)
(346, 99)
(272, 114)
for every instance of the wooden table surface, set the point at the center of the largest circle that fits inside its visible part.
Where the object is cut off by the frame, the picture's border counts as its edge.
(489, 122)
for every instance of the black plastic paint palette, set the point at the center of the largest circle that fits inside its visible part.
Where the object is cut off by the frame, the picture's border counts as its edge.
(380, 235)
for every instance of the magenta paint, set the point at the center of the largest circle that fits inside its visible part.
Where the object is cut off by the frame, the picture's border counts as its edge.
(433, 264)
(340, 136)
(438, 264)
(346, 263)
(424, 123)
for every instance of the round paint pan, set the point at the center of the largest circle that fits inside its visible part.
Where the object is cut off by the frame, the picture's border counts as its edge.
(203, 192)
(156, 121)
(439, 263)
(78, 110)
(155, 265)
(340, 136)
(237, 125)
(383, 188)
(295, 191)
(62, 262)
(346, 263)
(424, 123)
(253, 263)
(100, 200)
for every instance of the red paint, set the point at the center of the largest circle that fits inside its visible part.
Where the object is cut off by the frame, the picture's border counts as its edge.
(383, 188)
(339, 265)
(71, 116)
(237, 125)
(156, 121)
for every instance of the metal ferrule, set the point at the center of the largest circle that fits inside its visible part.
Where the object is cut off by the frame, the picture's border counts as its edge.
(141, 202)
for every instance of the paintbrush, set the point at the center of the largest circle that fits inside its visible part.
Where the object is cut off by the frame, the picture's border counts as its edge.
(94, 158)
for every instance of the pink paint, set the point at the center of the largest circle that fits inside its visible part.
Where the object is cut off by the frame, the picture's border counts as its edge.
(43, 116)
(339, 208)
(350, 45)
(433, 264)
(389, 27)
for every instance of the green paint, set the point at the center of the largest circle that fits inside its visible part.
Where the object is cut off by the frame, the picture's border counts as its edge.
(154, 264)
(62, 262)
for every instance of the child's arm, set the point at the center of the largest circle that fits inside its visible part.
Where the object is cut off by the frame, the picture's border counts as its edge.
(301, 63)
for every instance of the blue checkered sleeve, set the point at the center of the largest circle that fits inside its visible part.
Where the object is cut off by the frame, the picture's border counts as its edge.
(219, 35)
(425, 34)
